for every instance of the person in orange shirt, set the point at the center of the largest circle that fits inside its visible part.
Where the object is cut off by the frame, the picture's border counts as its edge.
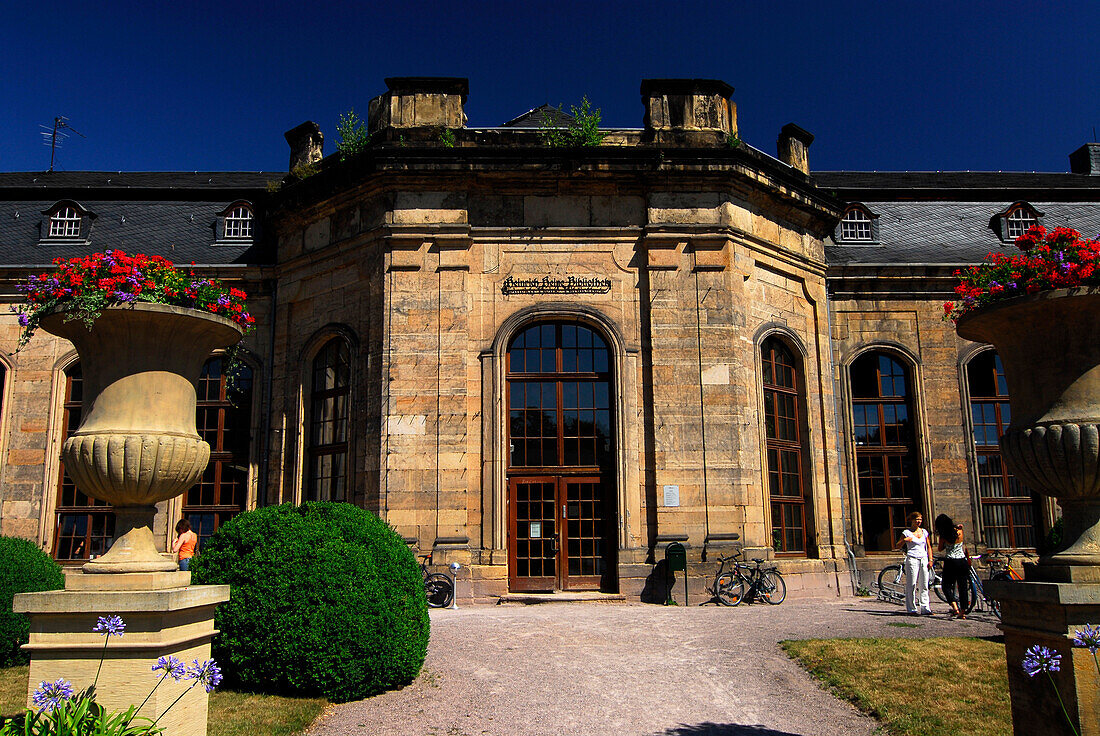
(186, 543)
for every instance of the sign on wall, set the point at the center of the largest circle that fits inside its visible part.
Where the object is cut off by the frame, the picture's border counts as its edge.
(672, 495)
(556, 285)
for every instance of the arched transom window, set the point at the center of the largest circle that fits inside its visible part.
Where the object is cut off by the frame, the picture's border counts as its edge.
(65, 223)
(238, 223)
(1010, 511)
(884, 435)
(330, 392)
(1019, 220)
(856, 225)
(785, 452)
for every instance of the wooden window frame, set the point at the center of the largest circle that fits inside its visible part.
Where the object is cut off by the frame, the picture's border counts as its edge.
(221, 510)
(1009, 501)
(857, 225)
(894, 500)
(66, 222)
(315, 453)
(94, 511)
(768, 357)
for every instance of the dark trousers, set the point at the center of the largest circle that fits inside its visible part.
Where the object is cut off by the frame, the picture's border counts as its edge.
(956, 577)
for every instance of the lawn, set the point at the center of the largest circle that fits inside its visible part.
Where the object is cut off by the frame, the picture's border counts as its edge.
(916, 687)
(231, 713)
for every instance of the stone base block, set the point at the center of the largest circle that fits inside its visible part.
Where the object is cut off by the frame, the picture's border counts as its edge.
(1049, 614)
(176, 621)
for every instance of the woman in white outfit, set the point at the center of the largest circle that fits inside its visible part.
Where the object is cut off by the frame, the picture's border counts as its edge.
(918, 564)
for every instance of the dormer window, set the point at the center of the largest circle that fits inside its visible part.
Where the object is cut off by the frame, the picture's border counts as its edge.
(238, 223)
(857, 225)
(1019, 220)
(65, 222)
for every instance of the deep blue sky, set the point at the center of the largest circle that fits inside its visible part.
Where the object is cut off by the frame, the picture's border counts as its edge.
(883, 85)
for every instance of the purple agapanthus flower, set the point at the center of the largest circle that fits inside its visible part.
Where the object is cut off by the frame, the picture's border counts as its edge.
(1088, 637)
(1041, 659)
(110, 626)
(50, 694)
(170, 666)
(208, 674)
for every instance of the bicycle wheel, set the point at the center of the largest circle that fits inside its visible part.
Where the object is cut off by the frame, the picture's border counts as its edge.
(729, 589)
(977, 593)
(935, 581)
(772, 587)
(995, 605)
(439, 590)
(891, 583)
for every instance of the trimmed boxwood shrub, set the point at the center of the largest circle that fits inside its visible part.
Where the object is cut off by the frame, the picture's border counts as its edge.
(23, 569)
(326, 599)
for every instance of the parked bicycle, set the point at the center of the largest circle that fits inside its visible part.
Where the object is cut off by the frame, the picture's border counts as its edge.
(891, 580)
(438, 587)
(747, 582)
(1000, 567)
(891, 583)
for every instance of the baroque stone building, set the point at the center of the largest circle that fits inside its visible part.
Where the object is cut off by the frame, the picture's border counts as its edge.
(548, 363)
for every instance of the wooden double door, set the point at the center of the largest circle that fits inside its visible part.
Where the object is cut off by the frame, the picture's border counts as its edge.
(560, 533)
(561, 491)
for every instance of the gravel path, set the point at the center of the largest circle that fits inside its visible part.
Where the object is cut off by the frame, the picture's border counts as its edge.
(630, 669)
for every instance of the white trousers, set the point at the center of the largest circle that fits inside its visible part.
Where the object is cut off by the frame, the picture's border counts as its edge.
(916, 585)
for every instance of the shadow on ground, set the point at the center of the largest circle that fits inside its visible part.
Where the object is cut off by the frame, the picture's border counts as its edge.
(723, 729)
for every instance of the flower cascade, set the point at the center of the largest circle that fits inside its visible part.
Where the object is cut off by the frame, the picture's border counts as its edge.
(1058, 259)
(87, 285)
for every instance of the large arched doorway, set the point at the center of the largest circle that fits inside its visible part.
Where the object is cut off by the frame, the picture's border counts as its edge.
(561, 485)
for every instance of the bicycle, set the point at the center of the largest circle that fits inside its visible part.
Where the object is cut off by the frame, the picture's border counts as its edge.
(745, 581)
(1000, 568)
(891, 583)
(438, 587)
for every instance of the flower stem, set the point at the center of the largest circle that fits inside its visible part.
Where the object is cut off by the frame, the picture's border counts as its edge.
(101, 656)
(151, 692)
(196, 682)
(1064, 711)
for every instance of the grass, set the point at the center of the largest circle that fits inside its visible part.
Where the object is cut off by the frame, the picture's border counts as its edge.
(916, 687)
(231, 713)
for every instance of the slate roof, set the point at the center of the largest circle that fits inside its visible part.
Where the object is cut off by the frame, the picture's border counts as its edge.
(948, 217)
(540, 117)
(173, 214)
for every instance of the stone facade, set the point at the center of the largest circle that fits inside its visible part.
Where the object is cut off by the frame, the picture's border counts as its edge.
(689, 250)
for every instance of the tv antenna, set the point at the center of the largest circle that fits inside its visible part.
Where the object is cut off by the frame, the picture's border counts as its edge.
(56, 136)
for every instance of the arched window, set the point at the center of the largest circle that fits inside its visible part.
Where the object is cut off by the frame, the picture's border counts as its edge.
(224, 418)
(1010, 512)
(327, 454)
(85, 527)
(1018, 220)
(884, 434)
(65, 222)
(238, 223)
(783, 438)
(855, 226)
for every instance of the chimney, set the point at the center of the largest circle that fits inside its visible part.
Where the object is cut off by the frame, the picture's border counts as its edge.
(793, 145)
(1086, 160)
(419, 102)
(688, 111)
(306, 143)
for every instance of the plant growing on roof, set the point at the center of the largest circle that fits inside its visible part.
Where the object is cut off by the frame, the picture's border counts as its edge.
(353, 134)
(583, 129)
(83, 287)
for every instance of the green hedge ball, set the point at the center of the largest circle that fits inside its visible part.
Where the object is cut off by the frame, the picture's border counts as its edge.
(326, 599)
(24, 568)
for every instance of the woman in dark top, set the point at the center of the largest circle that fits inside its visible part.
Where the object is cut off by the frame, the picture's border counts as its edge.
(956, 565)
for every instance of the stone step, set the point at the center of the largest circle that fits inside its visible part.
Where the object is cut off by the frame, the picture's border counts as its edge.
(563, 597)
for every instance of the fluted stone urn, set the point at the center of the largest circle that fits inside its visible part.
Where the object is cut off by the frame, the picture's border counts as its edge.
(1049, 343)
(137, 443)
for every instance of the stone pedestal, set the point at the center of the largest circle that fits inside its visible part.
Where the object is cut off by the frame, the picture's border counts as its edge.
(164, 616)
(1049, 614)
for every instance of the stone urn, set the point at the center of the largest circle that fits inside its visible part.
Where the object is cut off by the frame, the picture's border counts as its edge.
(137, 444)
(1049, 344)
